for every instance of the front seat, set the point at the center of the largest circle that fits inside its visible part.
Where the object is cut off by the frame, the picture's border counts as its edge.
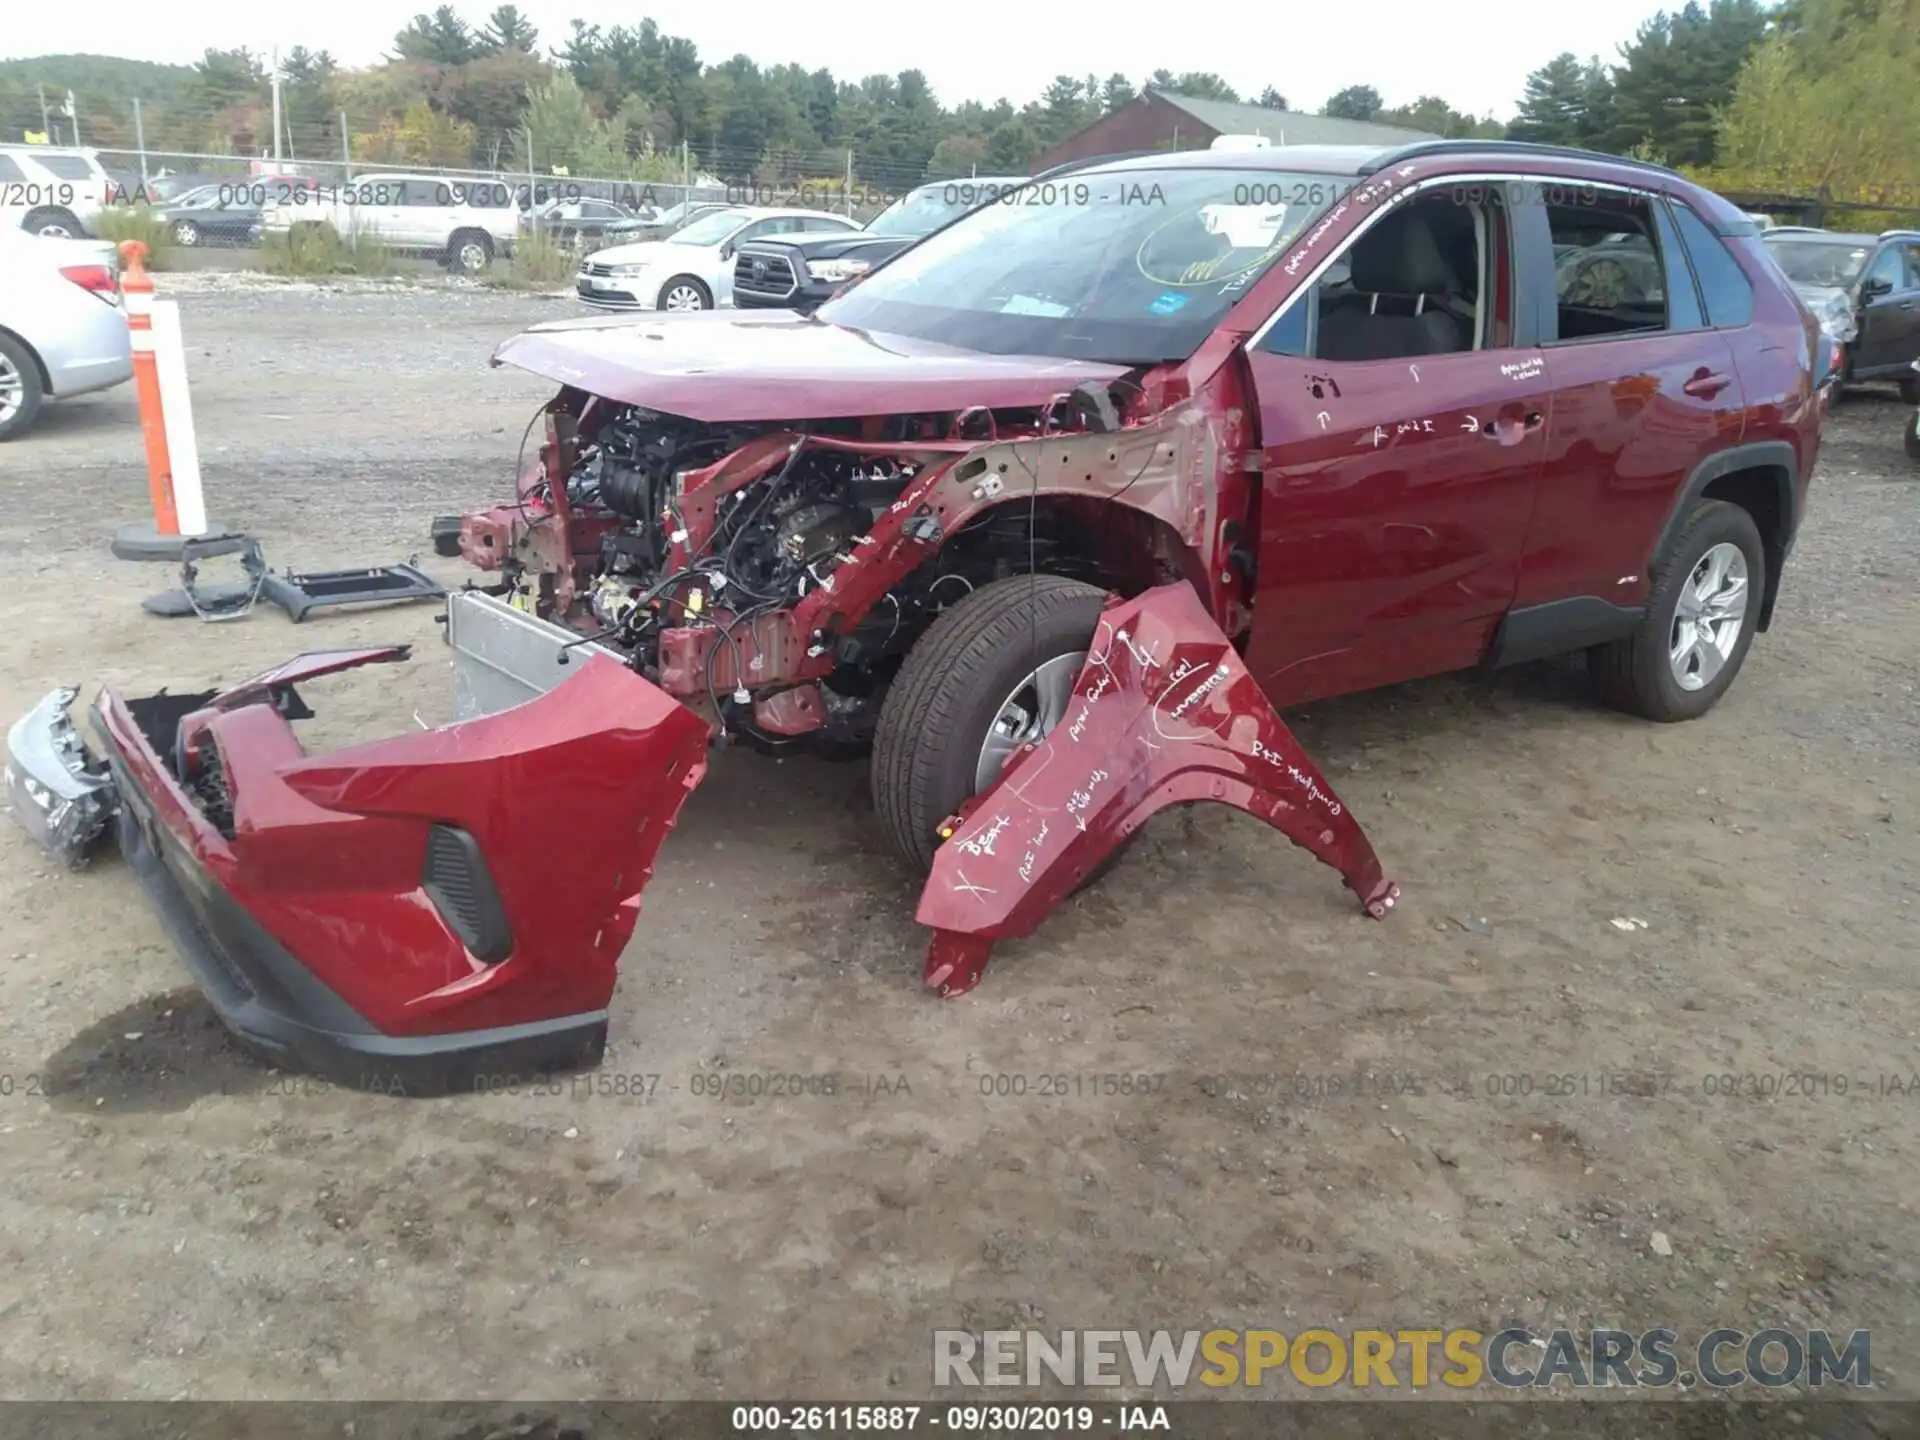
(1401, 286)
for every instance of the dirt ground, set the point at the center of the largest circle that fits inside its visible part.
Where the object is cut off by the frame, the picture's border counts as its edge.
(177, 1221)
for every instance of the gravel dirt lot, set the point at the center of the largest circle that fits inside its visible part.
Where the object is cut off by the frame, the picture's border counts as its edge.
(178, 1221)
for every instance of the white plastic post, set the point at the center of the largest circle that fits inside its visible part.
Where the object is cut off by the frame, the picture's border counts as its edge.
(176, 406)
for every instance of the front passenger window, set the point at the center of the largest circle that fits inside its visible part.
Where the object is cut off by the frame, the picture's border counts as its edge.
(1889, 266)
(1417, 282)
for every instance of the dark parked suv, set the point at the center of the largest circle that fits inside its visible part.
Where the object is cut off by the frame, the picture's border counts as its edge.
(802, 274)
(1865, 290)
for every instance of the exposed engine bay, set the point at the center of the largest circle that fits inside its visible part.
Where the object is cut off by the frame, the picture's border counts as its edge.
(691, 547)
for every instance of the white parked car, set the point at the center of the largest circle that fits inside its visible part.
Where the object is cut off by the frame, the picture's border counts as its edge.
(464, 222)
(50, 189)
(63, 327)
(691, 269)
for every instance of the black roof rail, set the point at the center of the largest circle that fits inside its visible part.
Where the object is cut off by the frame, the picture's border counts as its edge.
(1067, 167)
(1421, 148)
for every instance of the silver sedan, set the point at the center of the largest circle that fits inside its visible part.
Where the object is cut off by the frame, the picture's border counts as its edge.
(63, 328)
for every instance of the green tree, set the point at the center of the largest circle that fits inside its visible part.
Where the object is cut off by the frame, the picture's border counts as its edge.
(1011, 147)
(226, 77)
(1435, 116)
(508, 29)
(566, 135)
(1204, 85)
(1828, 105)
(1356, 102)
(421, 136)
(1553, 109)
(1676, 72)
(1271, 99)
(957, 156)
(1115, 92)
(441, 38)
(490, 94)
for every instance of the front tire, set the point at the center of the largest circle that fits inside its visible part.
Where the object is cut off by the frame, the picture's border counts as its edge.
(1910, 390)
(20, 390)
(1700, 621)
(1913, 436)
(993, 673)
(54, 222)
(683, 292)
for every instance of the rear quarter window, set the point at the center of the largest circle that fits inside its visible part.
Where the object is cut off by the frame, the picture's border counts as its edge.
(10, 171)
(64, 167)
(1723, 284)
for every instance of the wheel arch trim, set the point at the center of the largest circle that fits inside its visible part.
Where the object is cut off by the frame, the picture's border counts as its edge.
(1773, 458)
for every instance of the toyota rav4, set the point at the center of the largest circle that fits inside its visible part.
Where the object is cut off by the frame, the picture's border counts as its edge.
(1052, 512)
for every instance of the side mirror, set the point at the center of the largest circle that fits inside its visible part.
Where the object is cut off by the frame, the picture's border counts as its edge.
(1876, 285)
(726, 251)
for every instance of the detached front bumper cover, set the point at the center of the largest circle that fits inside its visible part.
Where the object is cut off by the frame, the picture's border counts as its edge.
(56, 790)
(412, 915)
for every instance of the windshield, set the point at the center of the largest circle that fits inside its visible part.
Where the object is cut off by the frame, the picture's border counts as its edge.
(1820, 262)
(710, 229)
(923, 211)
(1127, 266)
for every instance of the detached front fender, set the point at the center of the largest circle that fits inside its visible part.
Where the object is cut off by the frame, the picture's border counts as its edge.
(1164, 713)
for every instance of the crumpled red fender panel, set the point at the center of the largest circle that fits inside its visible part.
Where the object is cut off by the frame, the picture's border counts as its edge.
(1164, 712)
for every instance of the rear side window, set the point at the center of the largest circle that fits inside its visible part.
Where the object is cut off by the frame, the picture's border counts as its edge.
(1612, 275)
(1723, 284)
(64, 167)
(10, 171)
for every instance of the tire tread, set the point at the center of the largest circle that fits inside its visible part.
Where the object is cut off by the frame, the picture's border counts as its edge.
(937, 678)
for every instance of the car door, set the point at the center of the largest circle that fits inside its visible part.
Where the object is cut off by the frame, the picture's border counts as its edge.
(431, 211)
(1395, 491)
(1889, 311)
(1644, 389)
(378, 208)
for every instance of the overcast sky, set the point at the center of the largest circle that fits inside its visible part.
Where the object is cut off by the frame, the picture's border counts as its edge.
(1473, 53)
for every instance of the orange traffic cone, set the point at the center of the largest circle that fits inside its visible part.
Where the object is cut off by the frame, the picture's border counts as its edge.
(174, 494)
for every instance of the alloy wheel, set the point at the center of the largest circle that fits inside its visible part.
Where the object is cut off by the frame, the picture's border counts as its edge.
(1028, 714)
(1709, 616)
(685, 297)
(13, 390)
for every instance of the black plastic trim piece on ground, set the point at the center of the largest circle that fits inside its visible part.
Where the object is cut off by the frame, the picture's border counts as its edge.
(301, 595)
(281, 1011)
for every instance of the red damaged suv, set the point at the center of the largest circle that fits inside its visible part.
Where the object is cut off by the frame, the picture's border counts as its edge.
(1052, 511)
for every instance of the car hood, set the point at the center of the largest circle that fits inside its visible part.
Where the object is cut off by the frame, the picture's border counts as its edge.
(719, 366)
(1821, 295)
(644, 252)
(831, 245)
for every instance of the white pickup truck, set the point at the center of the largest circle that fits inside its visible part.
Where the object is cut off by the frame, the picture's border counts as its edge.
(467, 223)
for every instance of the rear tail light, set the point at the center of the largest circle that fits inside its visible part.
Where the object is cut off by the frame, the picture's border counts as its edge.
(100, 279)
